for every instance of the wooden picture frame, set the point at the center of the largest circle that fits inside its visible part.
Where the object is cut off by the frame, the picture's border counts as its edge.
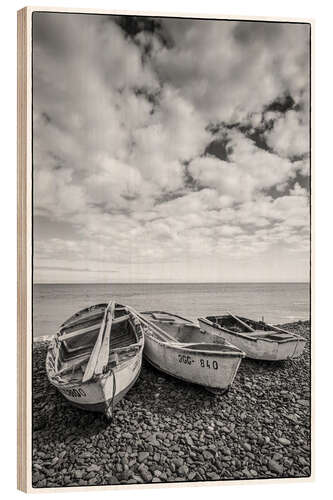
(277, 466)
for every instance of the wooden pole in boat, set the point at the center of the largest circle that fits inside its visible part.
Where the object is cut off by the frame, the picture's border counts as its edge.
(241, 322)
(90, 368)
(103, 356)
(159, 330)
(278, 329)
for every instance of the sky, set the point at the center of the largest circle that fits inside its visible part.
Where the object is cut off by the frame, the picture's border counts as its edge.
(169, 150)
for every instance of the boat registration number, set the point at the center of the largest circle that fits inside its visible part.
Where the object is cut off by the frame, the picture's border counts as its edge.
(204, 363)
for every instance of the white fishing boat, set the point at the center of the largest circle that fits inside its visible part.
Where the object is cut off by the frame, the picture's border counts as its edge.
(257, 339)
(176, 346)
(95, 357)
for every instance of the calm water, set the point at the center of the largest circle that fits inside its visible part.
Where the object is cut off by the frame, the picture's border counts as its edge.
(277, 302)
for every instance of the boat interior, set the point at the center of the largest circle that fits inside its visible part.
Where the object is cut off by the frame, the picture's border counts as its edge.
(189, 333)
(257, 329)
(78, 335)
(184, 331)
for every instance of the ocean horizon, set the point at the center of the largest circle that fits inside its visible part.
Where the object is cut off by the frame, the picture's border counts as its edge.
(277, 302)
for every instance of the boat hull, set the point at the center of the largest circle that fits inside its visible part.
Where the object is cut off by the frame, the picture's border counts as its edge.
(213, 370)
(264, 349)
(104, 391)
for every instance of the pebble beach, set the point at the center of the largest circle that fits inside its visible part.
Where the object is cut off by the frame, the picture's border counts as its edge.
(168, 431)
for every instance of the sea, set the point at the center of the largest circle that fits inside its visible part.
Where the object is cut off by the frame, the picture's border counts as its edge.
(275, 302)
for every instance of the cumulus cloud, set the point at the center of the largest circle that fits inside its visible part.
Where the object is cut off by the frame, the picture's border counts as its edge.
(220, 68)
(290, 135)
(125, 175)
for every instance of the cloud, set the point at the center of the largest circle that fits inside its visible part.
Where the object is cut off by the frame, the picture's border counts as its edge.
(248, 171)
(186, 143)
(289, 136)
(218, 67)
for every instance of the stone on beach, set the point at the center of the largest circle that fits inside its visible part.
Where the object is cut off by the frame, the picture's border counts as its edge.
(284, 441)
(275, 466)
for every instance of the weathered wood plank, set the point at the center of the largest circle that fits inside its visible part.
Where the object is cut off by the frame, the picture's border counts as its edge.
(67, 336)
(89, 329)
(241, 322)
(81, 320)
(90, 369)
(165, 336)
(103, 356)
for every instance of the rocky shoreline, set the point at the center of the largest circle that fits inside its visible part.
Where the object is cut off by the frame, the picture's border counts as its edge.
(167, 431)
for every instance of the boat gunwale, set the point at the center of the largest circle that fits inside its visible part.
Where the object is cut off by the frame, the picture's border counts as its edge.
(294, 336)
(77, 315)
(237, 354)
(169, 314)
(180, 346)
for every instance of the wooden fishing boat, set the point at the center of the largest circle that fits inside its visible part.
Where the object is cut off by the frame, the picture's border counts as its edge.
(176, 346)
(95, 357)
(257, 339)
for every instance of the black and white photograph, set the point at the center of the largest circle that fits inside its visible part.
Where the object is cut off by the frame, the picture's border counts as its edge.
(171, 250)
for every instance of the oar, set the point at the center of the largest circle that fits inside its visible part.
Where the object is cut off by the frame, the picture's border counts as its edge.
(90, 368)
(241, 322)
(104, 352)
